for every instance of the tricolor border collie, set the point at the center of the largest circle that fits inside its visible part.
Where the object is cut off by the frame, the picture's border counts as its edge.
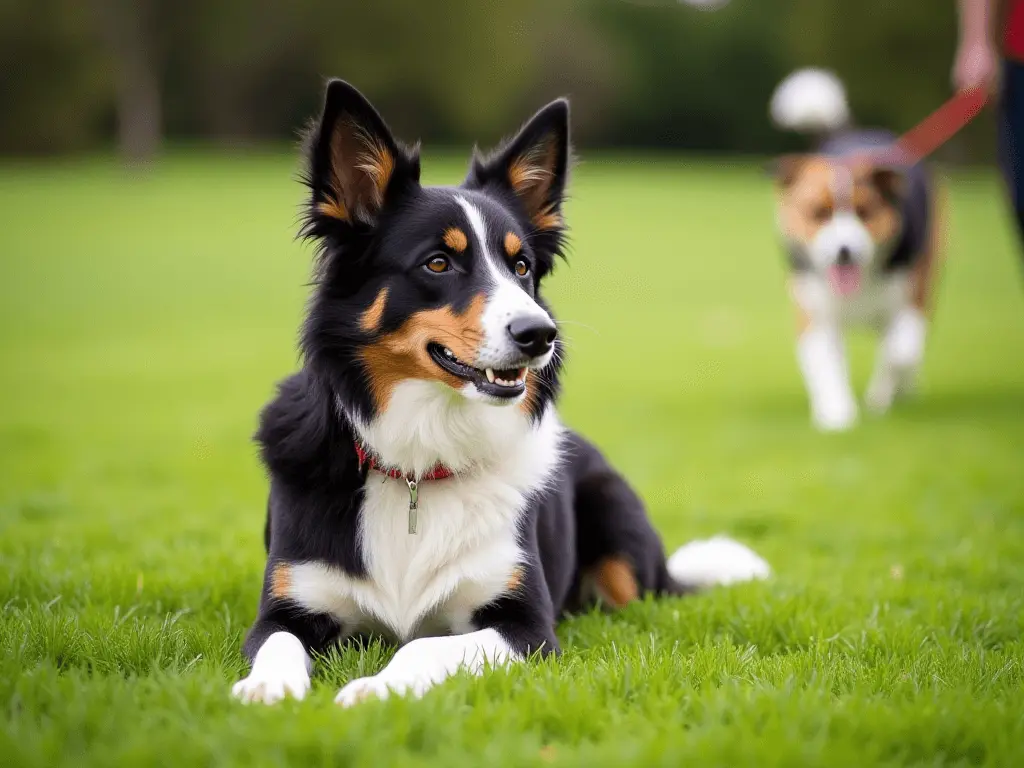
(422, 487)
(862, 236)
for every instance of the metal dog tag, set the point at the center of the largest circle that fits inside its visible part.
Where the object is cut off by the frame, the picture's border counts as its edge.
(414, 498)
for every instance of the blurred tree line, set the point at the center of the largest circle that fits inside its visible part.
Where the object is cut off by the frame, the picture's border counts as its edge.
(86, 74)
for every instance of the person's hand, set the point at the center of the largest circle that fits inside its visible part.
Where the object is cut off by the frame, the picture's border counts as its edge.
(976, 66)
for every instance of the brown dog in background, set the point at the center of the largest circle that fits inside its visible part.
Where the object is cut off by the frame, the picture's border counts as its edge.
(862, 239)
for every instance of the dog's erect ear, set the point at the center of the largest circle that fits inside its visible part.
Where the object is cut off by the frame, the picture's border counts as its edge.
(355, 164)
(534, 165)
(890, 181)
(785, 169)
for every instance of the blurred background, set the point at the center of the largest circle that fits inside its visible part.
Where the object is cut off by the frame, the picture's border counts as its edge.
(138, 75)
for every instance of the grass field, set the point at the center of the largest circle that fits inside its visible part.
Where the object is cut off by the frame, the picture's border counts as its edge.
(143, 323)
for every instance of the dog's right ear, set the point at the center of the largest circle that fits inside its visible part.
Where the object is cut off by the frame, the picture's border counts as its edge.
(785, 169)
(356, 167)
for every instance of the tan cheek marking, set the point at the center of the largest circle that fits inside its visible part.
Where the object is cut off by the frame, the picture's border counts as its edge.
(513, 245)
(529, 401)
(616, 583)
(402, 355)
(370, 320)
(515, 579)
(281, 581)
(455, 239)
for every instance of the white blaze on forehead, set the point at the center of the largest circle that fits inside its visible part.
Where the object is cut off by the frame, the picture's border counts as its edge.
(506, 301)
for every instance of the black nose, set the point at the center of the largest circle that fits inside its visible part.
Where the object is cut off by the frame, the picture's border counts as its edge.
(533, 335)
(845, 257)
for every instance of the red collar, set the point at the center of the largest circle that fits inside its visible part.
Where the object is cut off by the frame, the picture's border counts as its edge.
(439, 472)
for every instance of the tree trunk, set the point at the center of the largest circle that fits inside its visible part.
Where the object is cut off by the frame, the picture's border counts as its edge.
(125, 25)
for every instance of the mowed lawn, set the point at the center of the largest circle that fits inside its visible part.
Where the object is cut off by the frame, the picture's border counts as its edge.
(144, 322)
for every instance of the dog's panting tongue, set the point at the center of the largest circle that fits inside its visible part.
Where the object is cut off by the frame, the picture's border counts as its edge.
(845, 278)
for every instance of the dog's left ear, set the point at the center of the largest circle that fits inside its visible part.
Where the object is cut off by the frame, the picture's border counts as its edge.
(891, 182)
(533, 165)
(785, 169)
(356, 167)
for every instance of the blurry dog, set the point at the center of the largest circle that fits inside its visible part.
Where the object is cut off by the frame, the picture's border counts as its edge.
(861, 235)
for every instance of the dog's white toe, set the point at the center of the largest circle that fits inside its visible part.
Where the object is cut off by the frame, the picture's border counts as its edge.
(270, 689)
(363, 689)
(714, 561)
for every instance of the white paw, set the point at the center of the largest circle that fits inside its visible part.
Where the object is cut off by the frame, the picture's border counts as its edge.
(362, 689)
(270, 688)
(835, 416)
(905, 339)
(378, 687)
(718, 560)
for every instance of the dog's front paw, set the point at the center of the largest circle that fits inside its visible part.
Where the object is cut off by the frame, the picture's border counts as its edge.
(835, 416)
(364, 689)
(270, 688)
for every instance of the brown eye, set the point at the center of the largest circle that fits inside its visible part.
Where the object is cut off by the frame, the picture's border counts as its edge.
(822, 214)
(865, 211)
(438, 264)
(522, 268)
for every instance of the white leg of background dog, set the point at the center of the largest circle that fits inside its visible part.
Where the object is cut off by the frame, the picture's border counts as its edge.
(281, 668)
(423, 663)
(899, 357)
(823, 363)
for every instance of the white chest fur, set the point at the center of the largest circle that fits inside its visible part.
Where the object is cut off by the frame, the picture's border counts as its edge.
(466, 547)
(878, 300)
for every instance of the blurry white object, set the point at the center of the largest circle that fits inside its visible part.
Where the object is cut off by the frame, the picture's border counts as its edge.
(811, 100)
(718, 560)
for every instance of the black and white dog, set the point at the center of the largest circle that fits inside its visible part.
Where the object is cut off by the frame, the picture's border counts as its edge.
(421, 485)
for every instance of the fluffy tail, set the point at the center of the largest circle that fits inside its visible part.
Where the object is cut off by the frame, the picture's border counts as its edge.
(810, 101)
(718, 560)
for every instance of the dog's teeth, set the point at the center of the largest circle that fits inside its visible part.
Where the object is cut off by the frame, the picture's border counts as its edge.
(448, 352)
(490, 375)
(519, 382)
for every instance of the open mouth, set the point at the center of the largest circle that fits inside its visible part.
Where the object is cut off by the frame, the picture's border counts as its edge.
(845, 278)
(497, 382)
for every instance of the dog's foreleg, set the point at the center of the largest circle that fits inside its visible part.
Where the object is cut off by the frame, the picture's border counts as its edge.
(510, 629)
(823, 364)
(279, 646)
(902, 348)
(423, 663)
(899, 357)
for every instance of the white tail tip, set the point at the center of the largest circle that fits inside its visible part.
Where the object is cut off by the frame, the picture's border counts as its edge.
(716, 561)
(810, 100)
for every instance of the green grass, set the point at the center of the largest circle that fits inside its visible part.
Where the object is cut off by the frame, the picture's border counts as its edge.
(144, 322)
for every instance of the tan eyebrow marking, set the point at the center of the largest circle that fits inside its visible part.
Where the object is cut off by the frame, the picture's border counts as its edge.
(513, 244)
(455, 239)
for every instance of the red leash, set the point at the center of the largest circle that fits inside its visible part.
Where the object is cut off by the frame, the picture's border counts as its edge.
(936, 129)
